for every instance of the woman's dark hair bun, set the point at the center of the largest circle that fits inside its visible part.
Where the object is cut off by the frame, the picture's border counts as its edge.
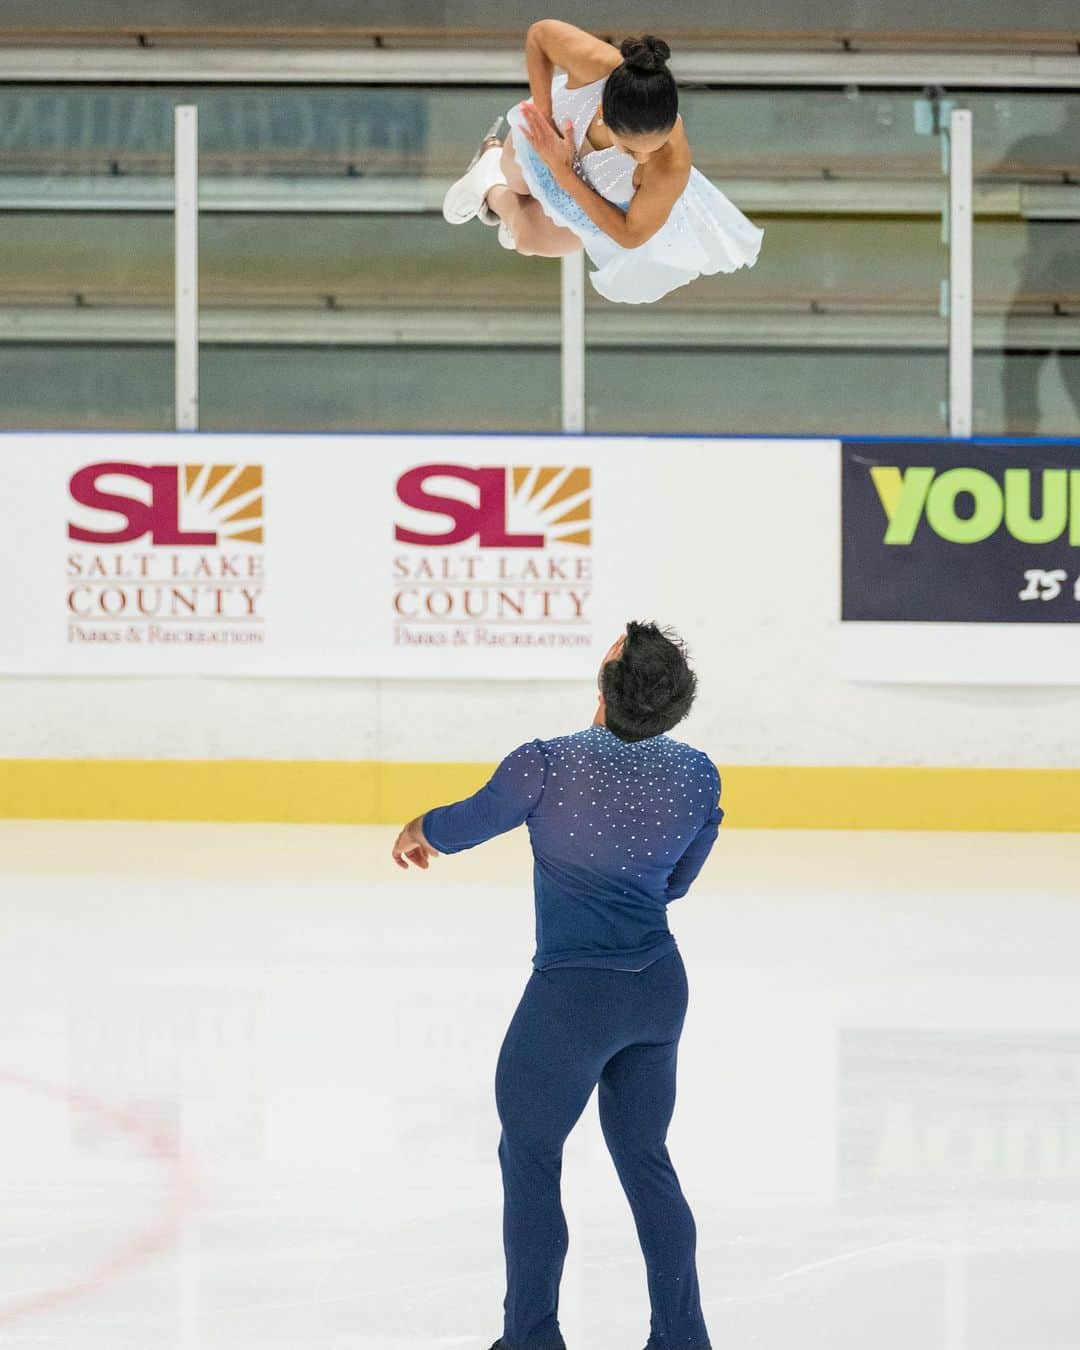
(641, 97)
(646, 53)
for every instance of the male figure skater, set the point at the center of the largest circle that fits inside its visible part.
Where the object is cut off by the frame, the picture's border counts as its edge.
(621, 817)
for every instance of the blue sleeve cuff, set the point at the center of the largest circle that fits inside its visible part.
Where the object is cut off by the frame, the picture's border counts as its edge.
(428, 833)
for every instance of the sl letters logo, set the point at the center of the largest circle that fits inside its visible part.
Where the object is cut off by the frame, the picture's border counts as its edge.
(556, 499)
(226, 495)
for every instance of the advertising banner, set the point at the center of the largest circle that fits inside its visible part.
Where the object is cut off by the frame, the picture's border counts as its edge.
(961, 561)
(317, 555)
(432, 556)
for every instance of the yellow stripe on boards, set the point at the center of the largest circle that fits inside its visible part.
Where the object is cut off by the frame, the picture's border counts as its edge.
(367, 792)
(893, 798)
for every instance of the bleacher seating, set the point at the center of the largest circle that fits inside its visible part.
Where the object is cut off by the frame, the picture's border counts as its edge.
(321, 226)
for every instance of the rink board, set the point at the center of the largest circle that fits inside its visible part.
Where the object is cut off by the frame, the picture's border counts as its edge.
(519, 557)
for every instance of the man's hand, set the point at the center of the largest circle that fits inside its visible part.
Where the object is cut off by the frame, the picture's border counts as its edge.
(411, 844)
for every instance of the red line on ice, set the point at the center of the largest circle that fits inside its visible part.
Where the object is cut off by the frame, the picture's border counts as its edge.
(156, 1143)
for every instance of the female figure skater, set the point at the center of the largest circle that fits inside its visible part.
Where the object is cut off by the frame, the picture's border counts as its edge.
(621, 818)
(598, 158)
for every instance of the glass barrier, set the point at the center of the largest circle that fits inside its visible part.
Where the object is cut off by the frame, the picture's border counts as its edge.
(353, 135)
(323, 254)
(1027, 268)
(758, 391)
(129, 387)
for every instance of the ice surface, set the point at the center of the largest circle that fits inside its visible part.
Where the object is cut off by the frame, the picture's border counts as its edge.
(246, 1093)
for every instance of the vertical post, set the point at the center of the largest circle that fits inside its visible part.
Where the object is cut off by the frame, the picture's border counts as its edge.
(186, 266)
(573, 341)
(961, 284)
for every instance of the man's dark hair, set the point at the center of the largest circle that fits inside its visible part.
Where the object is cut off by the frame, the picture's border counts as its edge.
(649, 687)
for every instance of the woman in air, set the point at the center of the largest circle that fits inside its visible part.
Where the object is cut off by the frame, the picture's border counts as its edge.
(598, 158)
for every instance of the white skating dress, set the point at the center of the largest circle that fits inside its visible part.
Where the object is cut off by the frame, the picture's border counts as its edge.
(705, 232)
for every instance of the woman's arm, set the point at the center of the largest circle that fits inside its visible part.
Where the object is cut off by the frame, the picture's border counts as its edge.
(650, 206)
(550, 43)
(540, 68)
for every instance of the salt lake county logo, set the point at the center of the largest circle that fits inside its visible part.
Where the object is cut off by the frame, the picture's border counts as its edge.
(493, 555)
(173, 553)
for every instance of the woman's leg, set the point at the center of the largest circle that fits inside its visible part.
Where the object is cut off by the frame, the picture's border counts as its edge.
(636, 1099)
(535, 234)
(511, 169)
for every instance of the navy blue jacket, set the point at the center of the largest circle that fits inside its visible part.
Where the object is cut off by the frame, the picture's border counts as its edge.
(618, 830)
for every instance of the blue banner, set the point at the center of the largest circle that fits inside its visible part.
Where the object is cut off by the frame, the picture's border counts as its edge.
(961, 532)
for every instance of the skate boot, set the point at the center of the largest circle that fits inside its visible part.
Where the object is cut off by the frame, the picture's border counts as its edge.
(465, 198)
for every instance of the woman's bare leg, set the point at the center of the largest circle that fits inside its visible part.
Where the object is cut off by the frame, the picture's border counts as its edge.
(535, 234)
(511, 170)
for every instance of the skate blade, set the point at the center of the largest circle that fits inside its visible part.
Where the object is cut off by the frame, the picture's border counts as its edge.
(492, 133)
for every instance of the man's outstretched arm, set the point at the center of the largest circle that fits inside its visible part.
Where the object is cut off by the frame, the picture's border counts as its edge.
(502, 803)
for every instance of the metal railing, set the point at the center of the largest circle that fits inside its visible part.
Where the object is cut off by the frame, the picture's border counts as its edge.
(961, 283)
(186, 263)
(271, 64)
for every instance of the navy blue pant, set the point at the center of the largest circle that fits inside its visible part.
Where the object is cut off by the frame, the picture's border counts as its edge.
(575, 1029)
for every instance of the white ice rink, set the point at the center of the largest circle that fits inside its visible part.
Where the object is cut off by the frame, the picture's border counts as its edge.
(246, 1093)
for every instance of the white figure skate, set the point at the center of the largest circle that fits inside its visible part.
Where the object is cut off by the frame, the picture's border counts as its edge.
(465, 199)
